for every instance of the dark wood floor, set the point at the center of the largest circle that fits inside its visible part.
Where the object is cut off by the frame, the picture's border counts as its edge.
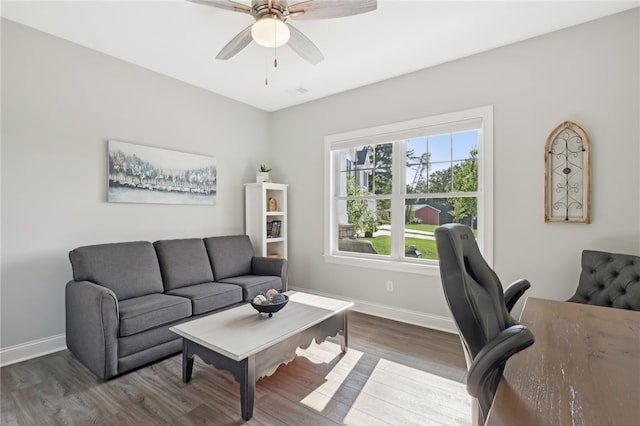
(393, 373)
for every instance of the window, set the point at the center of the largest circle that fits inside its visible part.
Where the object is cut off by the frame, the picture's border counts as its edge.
(389, 187)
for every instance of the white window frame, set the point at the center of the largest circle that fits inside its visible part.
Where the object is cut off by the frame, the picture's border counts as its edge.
(480, 117)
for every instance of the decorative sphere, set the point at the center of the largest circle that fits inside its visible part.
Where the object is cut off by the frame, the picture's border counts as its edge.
(277, 298)
(259, 299)
(270, 293)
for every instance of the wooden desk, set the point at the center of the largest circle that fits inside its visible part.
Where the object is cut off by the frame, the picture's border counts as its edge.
(583, 369)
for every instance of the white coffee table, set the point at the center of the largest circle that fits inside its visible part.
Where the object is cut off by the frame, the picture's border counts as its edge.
(252, 345)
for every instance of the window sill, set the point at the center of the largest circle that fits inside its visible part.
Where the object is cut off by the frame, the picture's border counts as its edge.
(387, 265)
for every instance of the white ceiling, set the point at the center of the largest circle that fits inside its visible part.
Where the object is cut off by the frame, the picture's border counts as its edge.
(181, 39)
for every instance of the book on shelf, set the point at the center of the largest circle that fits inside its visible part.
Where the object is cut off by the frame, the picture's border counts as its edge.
(273, 228)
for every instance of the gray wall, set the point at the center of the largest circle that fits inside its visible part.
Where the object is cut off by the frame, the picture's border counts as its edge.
(60, 104)
(588, 74)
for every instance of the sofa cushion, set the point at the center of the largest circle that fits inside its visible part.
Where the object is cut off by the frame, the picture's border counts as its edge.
(139, 342)
(153, 310)
(209, 296)
(128, 269)
(252, 285)
(230, 256)
(183, 262)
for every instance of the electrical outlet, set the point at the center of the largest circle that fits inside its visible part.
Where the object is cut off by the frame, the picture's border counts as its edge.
(389, 285)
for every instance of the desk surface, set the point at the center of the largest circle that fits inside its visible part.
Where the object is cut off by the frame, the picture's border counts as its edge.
(583, 369)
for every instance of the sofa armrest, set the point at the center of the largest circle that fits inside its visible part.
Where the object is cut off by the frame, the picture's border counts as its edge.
(92, 321)
(271, 266)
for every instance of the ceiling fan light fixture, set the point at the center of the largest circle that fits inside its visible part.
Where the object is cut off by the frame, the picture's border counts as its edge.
(270, 31)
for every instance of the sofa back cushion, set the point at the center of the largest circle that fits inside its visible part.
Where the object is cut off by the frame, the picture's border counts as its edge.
(183, 262)
(230, 256)
(128, 269)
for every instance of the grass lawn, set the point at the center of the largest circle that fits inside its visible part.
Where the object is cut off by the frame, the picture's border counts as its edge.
(430, 228)
(421, 227)
(382, 244)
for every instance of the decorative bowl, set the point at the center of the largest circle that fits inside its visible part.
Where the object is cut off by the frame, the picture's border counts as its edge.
(270, 308)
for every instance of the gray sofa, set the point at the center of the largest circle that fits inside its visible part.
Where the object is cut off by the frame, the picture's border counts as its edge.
(124, 296)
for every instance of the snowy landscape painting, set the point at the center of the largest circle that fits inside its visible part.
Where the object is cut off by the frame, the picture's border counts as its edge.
(144, 174)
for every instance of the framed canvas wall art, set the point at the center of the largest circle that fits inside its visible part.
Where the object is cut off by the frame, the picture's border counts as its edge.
(145, 174)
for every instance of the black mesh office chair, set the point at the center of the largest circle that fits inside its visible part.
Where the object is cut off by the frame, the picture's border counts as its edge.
(489, 335)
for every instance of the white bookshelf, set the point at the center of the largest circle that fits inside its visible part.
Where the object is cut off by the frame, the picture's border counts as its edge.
(259, 218)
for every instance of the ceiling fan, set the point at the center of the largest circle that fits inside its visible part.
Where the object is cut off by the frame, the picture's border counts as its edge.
(271, 28)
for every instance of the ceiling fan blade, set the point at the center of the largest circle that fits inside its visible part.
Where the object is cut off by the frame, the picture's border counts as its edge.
(236, 44)
(304, 47)
(225, 4)
(325, 9)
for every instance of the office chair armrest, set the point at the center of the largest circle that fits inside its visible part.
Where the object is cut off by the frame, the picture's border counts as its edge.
(514, 291)
(508, 342)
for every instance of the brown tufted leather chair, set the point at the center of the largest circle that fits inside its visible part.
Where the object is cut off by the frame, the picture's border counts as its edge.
(609, 279)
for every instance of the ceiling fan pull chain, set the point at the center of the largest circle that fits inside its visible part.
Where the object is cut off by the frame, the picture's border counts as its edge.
(266, 72)
(275, 45)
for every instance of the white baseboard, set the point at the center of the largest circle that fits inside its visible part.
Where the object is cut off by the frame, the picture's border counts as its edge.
(390, 312)
(33, 349)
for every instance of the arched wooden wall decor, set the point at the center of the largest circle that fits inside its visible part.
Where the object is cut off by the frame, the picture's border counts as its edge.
(567, 175)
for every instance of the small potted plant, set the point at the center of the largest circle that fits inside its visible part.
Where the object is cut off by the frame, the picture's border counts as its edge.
(263, 174)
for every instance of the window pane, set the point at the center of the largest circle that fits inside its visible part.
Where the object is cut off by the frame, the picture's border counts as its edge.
(421, 220)
(355, 170)
(343, 180)
(382, 158)
(364, 226)
(416, 149)
(415, 175)
(364, 170)
(417, 164)
(382, 184)
(440, 178)
(465, 170)
(428, 168)
(464, 143)
(379, 230)
(423, 216)
(439, 148)
(465, 175)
